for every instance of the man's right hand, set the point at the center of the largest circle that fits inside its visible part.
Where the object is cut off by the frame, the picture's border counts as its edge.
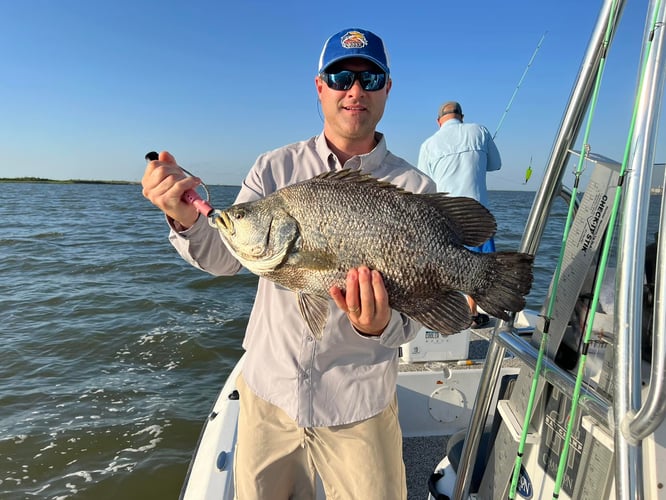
(164, 183)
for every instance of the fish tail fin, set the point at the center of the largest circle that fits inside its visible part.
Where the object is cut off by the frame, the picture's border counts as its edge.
(509, 283)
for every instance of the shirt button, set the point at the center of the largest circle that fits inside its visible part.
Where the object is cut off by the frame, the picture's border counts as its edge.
(310, 339)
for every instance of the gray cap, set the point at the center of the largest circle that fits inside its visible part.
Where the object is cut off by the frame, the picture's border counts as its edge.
(450, 107)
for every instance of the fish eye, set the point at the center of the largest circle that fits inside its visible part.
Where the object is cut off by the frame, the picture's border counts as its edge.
(239, 214)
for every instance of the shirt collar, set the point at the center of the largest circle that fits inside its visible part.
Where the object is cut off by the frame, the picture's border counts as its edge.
(366, 162)
(451, 121)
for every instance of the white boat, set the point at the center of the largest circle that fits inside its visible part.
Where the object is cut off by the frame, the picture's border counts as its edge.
(435, 395)
(567, 397)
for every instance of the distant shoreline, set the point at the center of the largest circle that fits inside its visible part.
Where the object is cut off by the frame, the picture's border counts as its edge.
(39, 180)
(53, 181)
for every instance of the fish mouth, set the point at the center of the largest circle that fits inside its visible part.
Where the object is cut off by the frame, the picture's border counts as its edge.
(223, 223)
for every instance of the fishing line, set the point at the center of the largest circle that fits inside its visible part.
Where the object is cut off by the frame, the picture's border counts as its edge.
(515, 92)
(508, 106)
(556, 277)
(603, 262)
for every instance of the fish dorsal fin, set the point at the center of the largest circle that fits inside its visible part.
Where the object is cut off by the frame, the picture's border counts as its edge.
(467, 218)
(358, 176)
(314, 310)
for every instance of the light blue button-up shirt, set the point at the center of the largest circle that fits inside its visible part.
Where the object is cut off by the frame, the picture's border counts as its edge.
(344, 377)
(457, 158)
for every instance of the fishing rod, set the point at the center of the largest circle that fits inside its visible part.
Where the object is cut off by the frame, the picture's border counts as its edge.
(517, 466)
(603, 262)
(508, 106)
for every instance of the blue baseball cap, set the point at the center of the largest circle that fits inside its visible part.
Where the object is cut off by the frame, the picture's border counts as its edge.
(354, 42)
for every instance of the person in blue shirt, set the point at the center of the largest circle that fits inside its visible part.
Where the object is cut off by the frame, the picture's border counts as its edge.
(457, 158)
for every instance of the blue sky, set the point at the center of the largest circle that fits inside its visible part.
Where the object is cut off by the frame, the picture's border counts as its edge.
(87, 88)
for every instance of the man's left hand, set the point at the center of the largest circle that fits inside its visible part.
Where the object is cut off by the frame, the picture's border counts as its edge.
(365, 301)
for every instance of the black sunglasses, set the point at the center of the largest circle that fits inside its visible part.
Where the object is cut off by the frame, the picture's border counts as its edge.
(344, 80)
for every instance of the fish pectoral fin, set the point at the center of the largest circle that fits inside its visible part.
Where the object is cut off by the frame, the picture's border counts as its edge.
(315, 260)
(447, 315)
(314, 310)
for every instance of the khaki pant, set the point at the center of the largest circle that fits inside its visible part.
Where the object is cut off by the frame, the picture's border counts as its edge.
(277, 460)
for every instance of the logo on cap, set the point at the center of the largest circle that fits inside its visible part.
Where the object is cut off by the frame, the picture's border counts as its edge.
(353, 40)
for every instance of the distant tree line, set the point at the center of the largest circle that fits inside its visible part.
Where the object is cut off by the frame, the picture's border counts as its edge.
(70, 181)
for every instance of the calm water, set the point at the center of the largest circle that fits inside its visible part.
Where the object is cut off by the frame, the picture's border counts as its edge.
(114, 348)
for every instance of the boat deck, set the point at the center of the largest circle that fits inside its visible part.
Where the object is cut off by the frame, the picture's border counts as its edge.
(422, 454)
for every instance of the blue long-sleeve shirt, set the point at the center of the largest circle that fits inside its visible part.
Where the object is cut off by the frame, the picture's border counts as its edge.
(457, 158)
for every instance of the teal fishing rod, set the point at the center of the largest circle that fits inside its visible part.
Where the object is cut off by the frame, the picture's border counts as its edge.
(520, 82)
(558, 271)
(603, 263)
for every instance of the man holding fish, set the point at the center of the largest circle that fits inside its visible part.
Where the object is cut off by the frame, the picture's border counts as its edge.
(314, 405)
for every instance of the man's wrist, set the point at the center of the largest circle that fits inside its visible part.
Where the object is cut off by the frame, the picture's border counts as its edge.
(371, 334)
(177, 226)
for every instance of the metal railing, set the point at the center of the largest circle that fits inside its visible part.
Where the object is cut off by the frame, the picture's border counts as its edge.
(630, 421)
